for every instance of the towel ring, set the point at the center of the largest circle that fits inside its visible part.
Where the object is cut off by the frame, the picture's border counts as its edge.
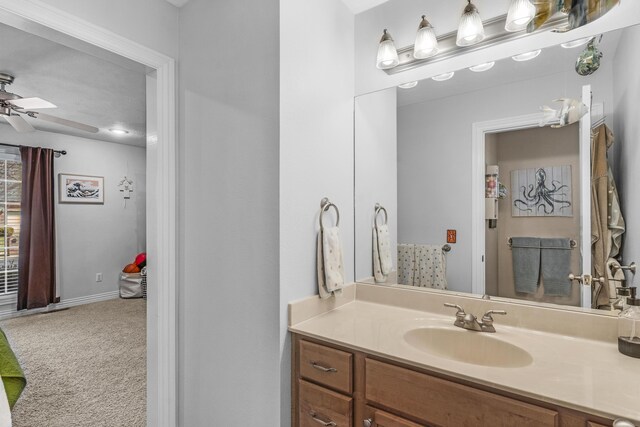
(325, 204)
(378, 209)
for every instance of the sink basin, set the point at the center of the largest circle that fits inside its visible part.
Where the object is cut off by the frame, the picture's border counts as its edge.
(477, 348)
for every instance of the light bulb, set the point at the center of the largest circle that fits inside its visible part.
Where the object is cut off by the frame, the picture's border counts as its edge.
(482, 67)
(387, 53)
(426, 44)
(527, 56)
(408, 85)
(443, 77)
(470, 29)
(521, 12)
(576, 43)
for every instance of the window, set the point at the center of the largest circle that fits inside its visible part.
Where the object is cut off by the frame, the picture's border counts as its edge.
(10, 193)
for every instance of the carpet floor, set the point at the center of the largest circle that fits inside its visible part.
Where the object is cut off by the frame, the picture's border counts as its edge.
(85, 366)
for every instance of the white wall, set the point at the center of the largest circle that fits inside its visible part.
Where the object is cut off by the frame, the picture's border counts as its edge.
(434, 157)
(376, 172)
(94, 238)
(152, 23)
(316, 148)
(229, 306)
(626, 86)
(401, 18)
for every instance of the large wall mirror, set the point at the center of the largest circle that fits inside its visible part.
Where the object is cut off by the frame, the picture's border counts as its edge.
(506, 179)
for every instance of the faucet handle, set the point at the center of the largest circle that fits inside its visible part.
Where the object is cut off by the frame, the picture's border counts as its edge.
(459, 314)
(487, 320)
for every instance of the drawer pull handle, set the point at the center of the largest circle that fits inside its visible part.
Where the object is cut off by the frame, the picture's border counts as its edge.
(315, 418)
(323, 368)
(367, 423)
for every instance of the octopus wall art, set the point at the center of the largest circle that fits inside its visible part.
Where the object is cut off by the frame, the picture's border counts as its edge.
(542, 191)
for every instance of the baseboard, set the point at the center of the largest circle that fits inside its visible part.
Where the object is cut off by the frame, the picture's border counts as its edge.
(72, 302)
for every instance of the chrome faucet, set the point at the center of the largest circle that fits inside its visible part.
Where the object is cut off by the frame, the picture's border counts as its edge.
(470, 322)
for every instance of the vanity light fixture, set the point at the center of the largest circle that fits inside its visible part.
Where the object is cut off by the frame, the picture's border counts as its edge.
(443, 77)
(470, 29)
(426, 44)
(576, 43)
(521, 12)
(387, 53)
(408, 85)
(527, 56)
(119, 131)
(482, 67)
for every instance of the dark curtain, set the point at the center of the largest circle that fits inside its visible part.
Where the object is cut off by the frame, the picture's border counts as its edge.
(36, 264)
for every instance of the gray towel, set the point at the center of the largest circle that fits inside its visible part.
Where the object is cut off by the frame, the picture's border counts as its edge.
(525, 252)
(556, 266)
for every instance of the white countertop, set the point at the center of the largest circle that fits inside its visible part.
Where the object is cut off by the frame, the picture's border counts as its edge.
(587, 375)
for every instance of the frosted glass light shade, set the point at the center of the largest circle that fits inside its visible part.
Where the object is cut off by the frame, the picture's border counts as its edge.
(482, 67)
(426, 44)
(521, 12)
(387, 53)
(470, 29)
(443, 77)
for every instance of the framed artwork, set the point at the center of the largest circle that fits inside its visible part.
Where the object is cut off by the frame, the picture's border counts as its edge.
(542, 191)
(81, 189)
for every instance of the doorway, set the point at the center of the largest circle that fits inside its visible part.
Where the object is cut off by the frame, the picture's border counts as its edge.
(40, 18)
(537, 170)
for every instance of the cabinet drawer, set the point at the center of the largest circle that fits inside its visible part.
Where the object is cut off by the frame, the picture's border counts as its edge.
(445, 403)
(319, 406)
(382, 419)
(326, 366)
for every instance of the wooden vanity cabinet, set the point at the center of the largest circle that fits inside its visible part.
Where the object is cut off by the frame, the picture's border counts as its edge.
(338, 387)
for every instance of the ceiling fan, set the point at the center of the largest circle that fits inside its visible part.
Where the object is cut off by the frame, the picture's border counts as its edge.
(12, 106)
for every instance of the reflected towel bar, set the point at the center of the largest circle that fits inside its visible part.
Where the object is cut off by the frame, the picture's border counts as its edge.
(572, 243)
(446, 248)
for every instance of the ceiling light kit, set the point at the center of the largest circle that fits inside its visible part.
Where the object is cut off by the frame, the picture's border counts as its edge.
(524, 17)
(119, 131)
(408, 85)
(13, 106)
(443, 77)
(527, 56)
(482, 67)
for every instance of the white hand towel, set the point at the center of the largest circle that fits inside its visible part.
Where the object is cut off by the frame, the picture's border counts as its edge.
(382, 264)
(406, 263)
(431, 267)
(330, 262)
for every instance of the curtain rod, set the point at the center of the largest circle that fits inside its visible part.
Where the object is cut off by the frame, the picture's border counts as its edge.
(58, 152)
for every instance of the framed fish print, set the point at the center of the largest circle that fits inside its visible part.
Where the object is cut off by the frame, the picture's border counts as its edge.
(81, 189)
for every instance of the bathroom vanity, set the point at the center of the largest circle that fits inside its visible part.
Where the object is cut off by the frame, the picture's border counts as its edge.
(366, 363)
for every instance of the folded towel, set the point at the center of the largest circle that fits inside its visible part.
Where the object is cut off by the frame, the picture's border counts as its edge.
(556, 266)
(382, 264)
(406, 263)
(431, 267)
(330, 262)
(525, 253)
(13, 378)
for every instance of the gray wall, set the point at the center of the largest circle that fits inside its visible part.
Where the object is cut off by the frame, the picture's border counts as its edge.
(435, 195)
(94, 238)
(626, 151)
(229, 306)
(316, 149)
(376, 172)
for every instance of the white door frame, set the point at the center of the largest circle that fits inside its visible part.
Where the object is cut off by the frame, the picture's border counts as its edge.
(162, 172)
(480, 129)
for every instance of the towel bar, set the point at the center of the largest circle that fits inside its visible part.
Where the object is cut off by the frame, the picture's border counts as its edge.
(379, 208)
(446, 248)
(572, 243)
(325, 204)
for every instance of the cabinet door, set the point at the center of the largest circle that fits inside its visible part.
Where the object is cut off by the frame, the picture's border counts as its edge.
(382, 419)
(319, 406)
(444, 403)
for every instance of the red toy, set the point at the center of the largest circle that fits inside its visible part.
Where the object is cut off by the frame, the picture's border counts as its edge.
(141, 260)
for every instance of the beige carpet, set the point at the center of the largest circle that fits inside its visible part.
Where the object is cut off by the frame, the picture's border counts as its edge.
(85, 366)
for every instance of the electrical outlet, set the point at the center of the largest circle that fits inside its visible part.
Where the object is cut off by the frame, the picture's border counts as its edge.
(98, 277)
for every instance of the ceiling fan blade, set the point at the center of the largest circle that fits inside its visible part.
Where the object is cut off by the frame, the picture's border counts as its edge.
(65, 122)
(31, 103)
(19, 124)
